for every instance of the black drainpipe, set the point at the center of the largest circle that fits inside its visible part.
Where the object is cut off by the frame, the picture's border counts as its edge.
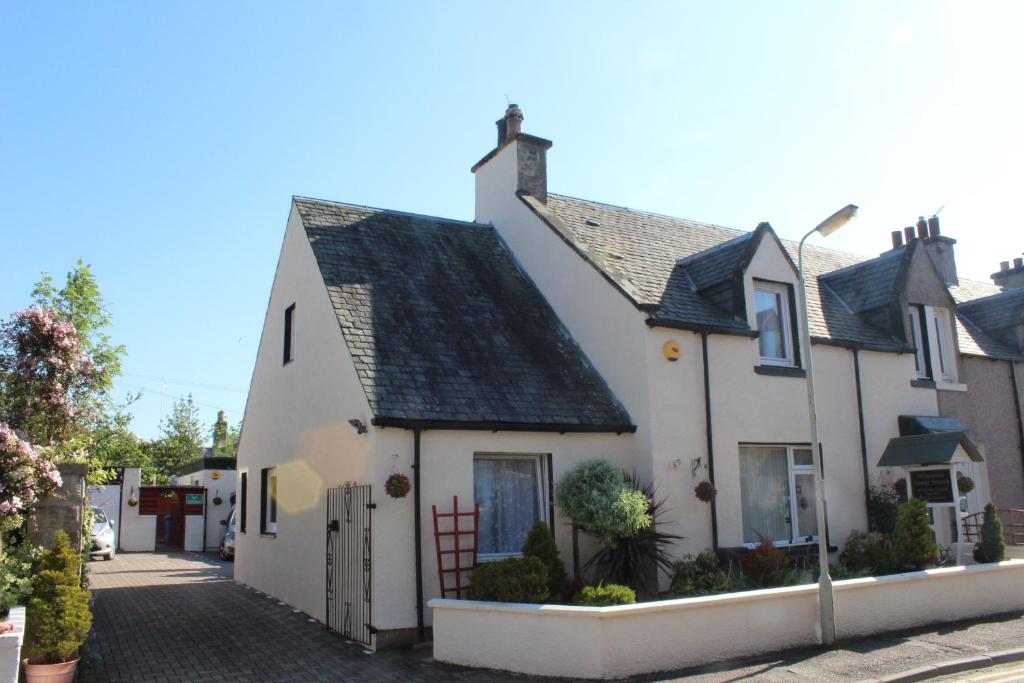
(417, 534)
(863, 437)
(1016, 404)
(711, 441)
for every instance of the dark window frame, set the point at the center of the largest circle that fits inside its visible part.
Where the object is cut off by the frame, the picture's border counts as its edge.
(266, 502)
(289, 315)
(243, 502)
(922, 333)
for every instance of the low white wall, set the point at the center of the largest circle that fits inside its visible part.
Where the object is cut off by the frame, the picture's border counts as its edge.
(195, 525)
(10, 646)
(610, 642)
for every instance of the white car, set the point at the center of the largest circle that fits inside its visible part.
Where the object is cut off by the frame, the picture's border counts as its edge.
(104, 543)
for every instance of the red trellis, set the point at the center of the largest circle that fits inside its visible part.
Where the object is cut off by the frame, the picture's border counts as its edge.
(457, 550)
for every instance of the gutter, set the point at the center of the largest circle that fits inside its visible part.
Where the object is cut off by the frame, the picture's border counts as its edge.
(418, 536)
(494, 426)
(703, 329)
(710, 437)
(863, 437)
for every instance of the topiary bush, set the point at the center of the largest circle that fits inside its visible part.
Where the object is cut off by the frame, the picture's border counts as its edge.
(58, 611)
(990, 547)
(596, 496)
(515, 579)
(867, 553)
(701, 575)
(540, 543)
(605, 595)
(913, 541)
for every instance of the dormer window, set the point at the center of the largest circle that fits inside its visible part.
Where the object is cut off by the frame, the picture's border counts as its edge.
(931, 333)
(774, 324)
(919, 338)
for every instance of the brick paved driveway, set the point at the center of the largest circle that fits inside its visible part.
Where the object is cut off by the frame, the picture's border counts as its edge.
(181, 617)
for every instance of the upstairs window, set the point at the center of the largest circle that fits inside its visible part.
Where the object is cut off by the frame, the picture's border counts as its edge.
(774, 325)
(944, 344)
(931, 333)
(289, 315)
(919, 338)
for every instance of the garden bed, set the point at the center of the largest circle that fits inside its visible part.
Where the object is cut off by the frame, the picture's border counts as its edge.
(611, 642)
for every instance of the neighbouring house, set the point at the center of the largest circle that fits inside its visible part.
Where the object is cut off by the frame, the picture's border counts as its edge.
(484, 359)
(216, 475)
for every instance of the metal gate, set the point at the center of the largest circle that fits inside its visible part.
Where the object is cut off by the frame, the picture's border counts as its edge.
(349, 561)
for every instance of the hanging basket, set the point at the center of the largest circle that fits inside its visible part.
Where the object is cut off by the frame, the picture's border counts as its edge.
(217, 500)
(133, 501)
(705, 491)
(964, 483)
(397, 486)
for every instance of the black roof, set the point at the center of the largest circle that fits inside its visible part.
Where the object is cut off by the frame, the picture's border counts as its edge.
(935, 448)
(446, 330)
(985, 315)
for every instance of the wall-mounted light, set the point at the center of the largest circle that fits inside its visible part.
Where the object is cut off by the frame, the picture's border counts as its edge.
(358, 425)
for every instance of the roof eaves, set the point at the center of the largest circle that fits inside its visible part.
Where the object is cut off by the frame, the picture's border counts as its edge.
(455, 425)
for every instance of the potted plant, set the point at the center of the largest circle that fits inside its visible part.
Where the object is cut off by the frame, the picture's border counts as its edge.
(397, 486)
(964, 484)
(705, 491)
(58, 616)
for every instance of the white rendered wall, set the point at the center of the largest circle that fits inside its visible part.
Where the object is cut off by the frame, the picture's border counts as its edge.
(108, 499)
(10, 646)
(138, 532)
(296, 419)
(193, 541)
(612, 642)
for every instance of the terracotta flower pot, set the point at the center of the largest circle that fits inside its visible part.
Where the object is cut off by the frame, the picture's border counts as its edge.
(50, 673)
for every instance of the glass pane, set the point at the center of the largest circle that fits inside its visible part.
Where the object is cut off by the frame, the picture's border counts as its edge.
(272, 513)
(802, 457)
(764, 489)
(506, 489)
(769, 324)
(806, 515)
(915, 332)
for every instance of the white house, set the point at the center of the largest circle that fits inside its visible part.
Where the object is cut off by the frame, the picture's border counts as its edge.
(483, 359)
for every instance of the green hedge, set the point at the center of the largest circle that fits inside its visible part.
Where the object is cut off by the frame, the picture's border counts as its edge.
(605, 595)
(516, 579)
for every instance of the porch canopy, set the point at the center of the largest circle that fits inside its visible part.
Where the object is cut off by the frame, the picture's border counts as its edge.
(926, 440)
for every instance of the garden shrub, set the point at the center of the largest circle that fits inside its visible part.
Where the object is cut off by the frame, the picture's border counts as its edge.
(701, 575)
(58, 611)
(913, 542)
(867, 553)
(596, 496)
(515, 579)
(991, 547)
(16, 574)
(540, 543)
(882, 506)
(764, 566)
(605, 595)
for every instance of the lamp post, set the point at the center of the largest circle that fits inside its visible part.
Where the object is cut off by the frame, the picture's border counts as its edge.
(826, 608)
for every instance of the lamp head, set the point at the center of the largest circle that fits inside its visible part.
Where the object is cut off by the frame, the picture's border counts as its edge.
(837, 220)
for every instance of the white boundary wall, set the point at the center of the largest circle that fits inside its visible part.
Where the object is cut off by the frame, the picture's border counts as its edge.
(610, 642)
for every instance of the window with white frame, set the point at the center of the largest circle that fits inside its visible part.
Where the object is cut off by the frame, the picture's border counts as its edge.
(510, 492)
(268, 500)
(777, 494)
(944, 344)
(774, 327)
(919, 338)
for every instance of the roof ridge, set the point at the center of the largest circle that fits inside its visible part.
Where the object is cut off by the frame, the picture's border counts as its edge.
(392, 211)
(649, 213)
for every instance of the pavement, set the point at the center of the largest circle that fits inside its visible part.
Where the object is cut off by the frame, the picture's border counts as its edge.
(181, 617)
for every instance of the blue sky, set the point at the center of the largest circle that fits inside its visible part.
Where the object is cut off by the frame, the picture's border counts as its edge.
(161, 142)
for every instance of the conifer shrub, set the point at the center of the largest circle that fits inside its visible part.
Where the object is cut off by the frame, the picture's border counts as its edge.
(605, 595)
(58, 611)
(540, 543)
(991, 547)
(882, 506)
(515, 579)
(913, 541)
(701, 575)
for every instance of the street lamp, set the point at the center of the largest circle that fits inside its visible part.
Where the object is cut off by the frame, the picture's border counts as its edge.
(826, 608)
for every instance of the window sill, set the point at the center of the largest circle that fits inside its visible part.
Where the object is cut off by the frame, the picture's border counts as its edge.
(268, 534)
(951, 386)
(779, 371)
(922, 383)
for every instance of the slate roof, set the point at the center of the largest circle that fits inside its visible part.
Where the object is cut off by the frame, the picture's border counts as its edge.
(445, 328)
(643, 253)
(937, 448)
(984, 311)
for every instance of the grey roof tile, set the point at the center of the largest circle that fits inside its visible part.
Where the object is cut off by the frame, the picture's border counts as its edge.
(442, 324)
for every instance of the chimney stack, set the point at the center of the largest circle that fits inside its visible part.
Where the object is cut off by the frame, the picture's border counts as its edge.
(897, 239)
(527, 153)
(510, 124)
(1010, 277)
(939, 248)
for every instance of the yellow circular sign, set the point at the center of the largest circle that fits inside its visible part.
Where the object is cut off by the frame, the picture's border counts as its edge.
(672, 350)
(215, 475)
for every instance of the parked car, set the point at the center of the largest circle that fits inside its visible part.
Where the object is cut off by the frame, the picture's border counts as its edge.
(227, 543)
(104, 542)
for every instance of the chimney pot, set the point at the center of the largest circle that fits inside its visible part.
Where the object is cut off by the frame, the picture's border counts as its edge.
(1018, 262)
(908, 232)
(897, 239)
(509, 124)
(922, 227)
(933, 226)
(1004, 266)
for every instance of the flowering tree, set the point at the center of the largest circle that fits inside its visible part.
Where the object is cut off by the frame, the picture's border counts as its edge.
(25, 474)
